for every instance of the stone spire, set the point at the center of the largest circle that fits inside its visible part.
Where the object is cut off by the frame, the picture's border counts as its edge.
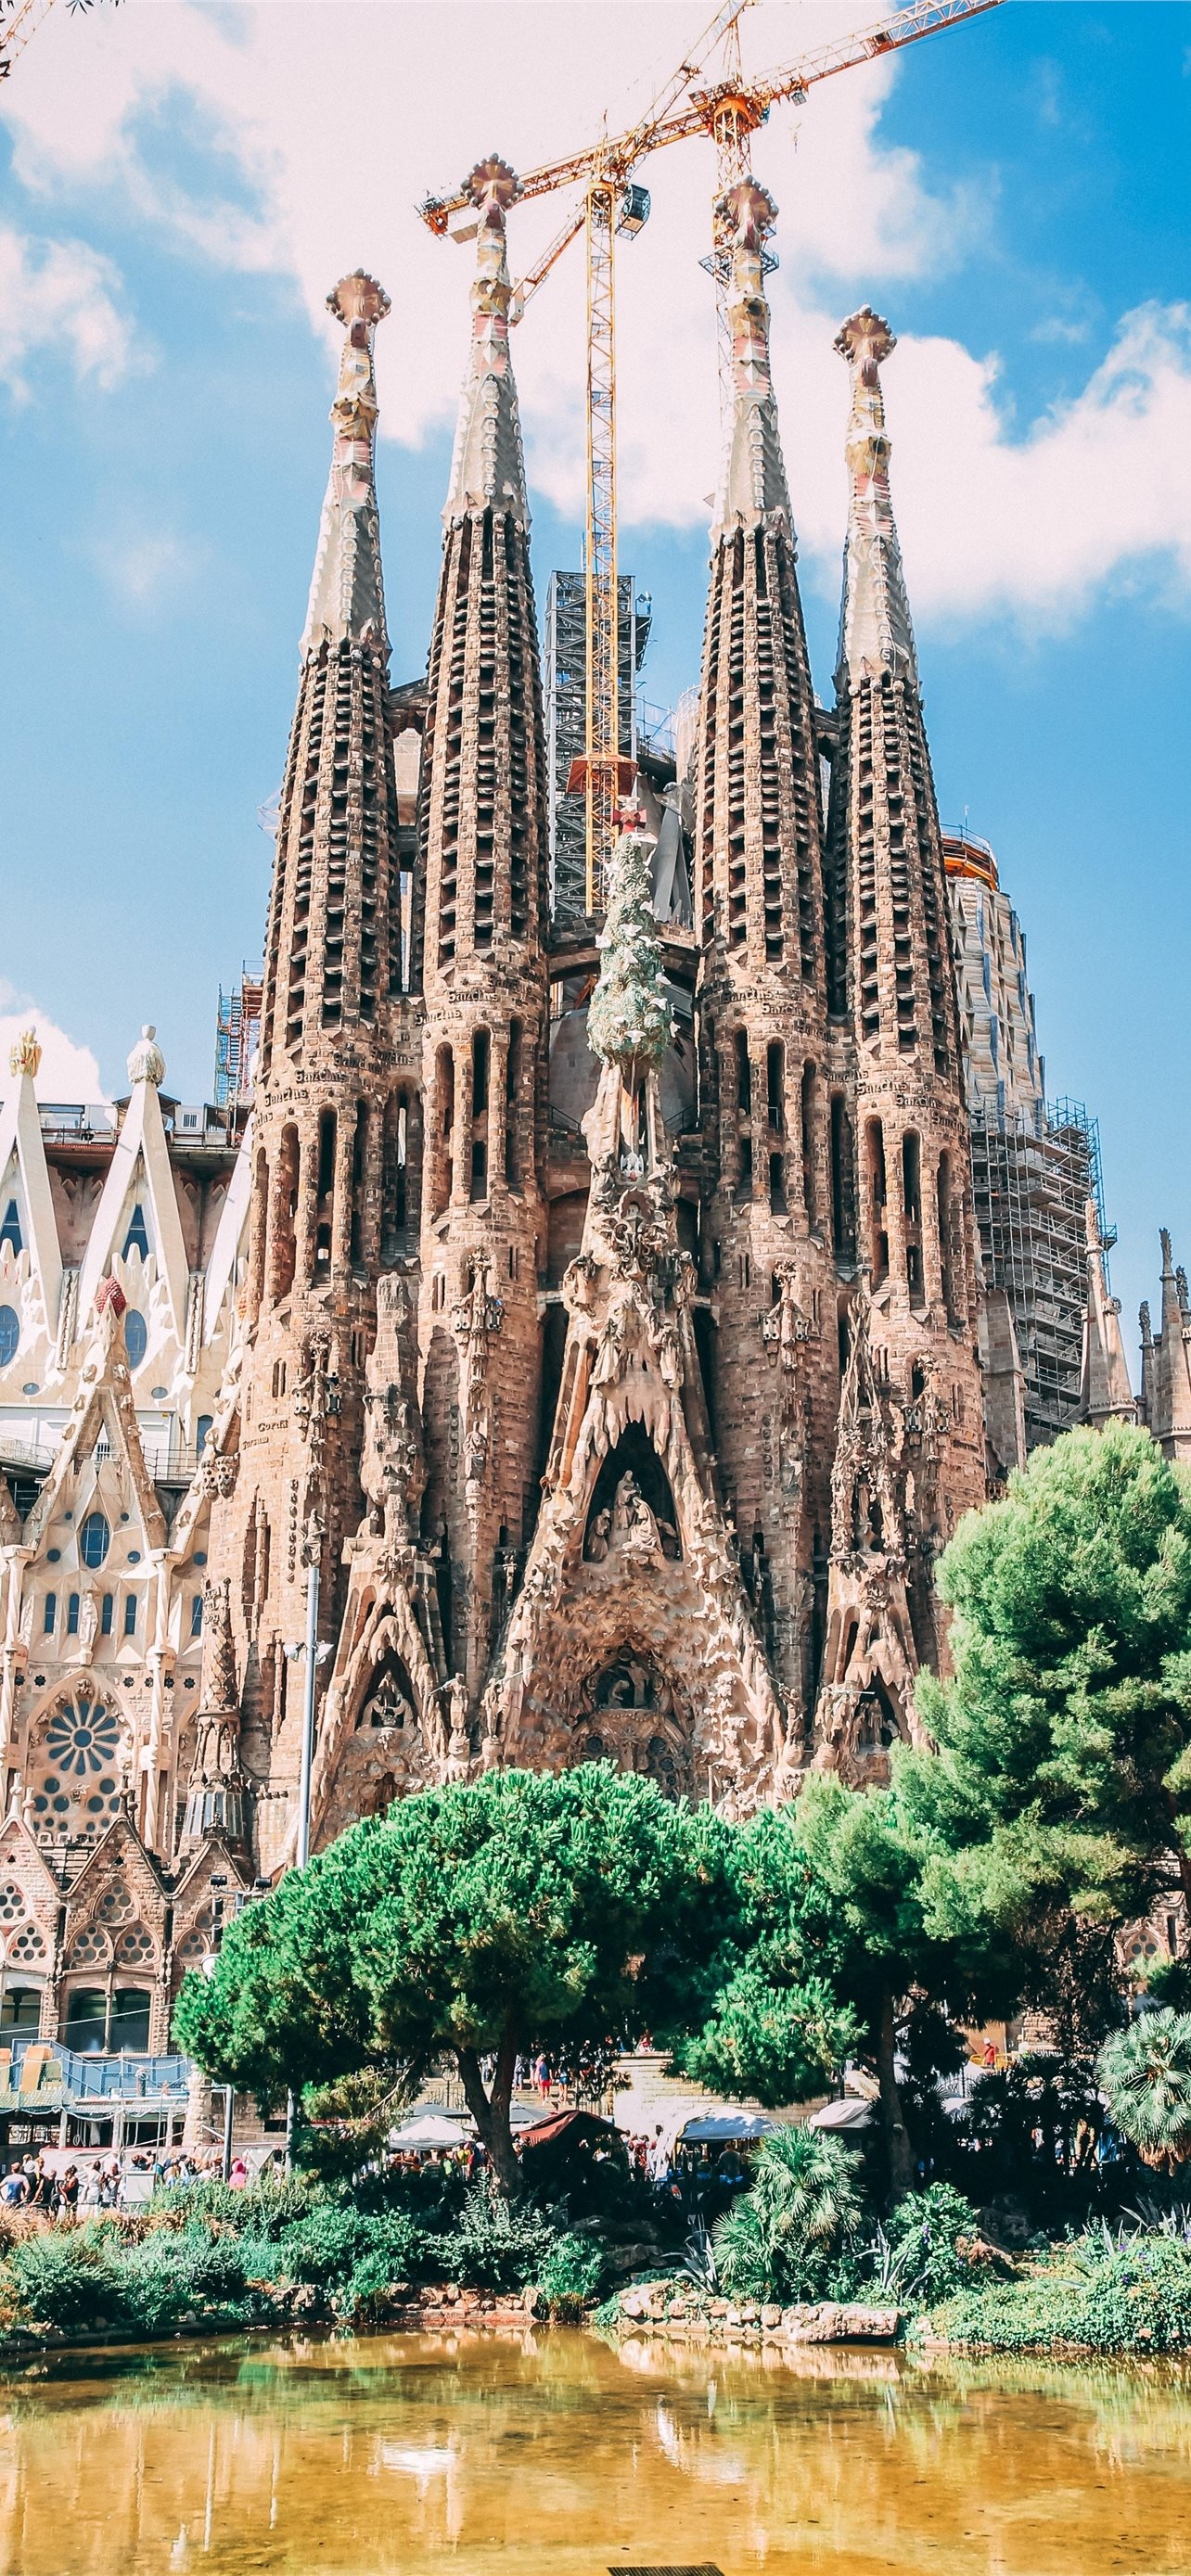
(886, 860)
(483, 853)
(1170, 1413)
(336, 951)
(347, 599)
(1105, 1391)
(216, 1803)
(488, 468)
(875, 630)
(757, 826)
(483, 824)
(753, 477)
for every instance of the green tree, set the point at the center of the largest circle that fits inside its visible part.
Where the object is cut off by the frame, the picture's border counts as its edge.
(839, 1925)
(522, 1912)
(1146, 2075)
(1064, 1731)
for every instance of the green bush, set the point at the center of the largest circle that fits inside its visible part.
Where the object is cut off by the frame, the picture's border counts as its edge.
(67, 2280)
(1125, 2297)
(494, 2244)
(170, 2276)
(926, 2232)
(779, 2239)
(571, 2275)
(266, 2209)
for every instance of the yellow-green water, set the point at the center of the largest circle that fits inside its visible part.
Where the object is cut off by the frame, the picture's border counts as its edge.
(549, 2454)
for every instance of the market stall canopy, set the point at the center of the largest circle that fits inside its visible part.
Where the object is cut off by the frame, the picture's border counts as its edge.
(429, 2129)
(843, 2115)
(727, 2128)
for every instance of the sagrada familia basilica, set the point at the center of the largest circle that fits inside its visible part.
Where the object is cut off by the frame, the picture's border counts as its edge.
(596, 1303)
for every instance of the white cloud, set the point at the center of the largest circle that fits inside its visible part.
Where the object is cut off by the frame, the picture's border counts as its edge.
(67, 1071)
(142, 566)
(1031, 526)
(60, 295)
(326, 124)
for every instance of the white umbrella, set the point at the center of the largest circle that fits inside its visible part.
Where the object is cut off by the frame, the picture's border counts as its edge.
(429, 2129)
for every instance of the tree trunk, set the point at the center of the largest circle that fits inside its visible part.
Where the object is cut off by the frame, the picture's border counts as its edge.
(491, 2111)
(899, 2156)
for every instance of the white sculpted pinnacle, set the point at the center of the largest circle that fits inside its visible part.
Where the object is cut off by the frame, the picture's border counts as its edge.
(147, 1063)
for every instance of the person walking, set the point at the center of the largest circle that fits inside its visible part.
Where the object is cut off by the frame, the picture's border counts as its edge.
(91, 2195)
(68, 2193)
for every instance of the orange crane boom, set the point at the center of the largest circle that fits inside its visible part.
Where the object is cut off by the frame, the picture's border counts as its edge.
(729, 111)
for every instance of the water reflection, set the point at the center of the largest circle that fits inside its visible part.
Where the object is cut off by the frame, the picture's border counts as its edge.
(555, 2455)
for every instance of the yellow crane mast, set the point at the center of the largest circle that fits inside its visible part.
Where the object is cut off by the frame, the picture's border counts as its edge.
(729, 110)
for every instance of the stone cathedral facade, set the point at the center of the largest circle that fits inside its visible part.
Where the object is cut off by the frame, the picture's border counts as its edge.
(595, 1302)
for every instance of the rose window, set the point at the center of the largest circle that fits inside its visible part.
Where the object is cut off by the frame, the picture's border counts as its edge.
(12, 1904)
(198, 1943)
(90, 1950)
(28, 1944)
(136, 1948)
(115, 1907)
(78, 1790)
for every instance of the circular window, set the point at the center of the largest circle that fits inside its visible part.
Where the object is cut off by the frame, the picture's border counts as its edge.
(95, 1538)
(10, 1334)
(136, 1336)
(78, 1795)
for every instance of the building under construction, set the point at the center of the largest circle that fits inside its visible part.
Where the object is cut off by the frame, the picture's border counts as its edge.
(1035, 1164)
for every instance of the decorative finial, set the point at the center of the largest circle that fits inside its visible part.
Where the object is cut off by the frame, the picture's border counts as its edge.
(110, 1297)
(865, 340)
(359, 300)
(147, 1063)
(25, 1056)
(876, 633)
(750, 213)
(493, 187)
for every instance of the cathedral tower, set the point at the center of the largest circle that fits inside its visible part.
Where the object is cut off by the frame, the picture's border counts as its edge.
(334, 1101)
(914, 1391)
(778, 1219)
(483, 851)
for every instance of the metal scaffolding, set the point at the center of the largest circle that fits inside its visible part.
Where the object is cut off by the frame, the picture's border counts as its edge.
(237, 1034)
(565, 678)
(1031, 1188)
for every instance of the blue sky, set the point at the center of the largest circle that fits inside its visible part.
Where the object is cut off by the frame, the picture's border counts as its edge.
(181, 184)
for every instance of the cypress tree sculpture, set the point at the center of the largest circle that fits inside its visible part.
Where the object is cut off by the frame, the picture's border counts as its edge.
(629, 1022)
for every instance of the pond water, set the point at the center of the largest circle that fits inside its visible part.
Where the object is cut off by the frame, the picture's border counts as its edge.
(550, 2454)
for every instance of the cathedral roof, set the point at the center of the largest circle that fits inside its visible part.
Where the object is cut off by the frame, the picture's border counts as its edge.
(876, 635)
(347, 599)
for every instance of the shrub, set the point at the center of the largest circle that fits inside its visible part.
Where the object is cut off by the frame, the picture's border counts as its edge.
(494, 2244)
(67, 2280)
(571, 2275)
(1128, 2297)
(928, 2233)
(170, 2276)
(778, 2240)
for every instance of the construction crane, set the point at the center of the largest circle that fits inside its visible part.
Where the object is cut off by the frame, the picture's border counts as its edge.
(16, 31)
(26, 18)
(729, 110)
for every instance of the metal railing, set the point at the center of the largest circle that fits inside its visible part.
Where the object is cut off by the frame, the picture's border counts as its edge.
(95, 2076)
